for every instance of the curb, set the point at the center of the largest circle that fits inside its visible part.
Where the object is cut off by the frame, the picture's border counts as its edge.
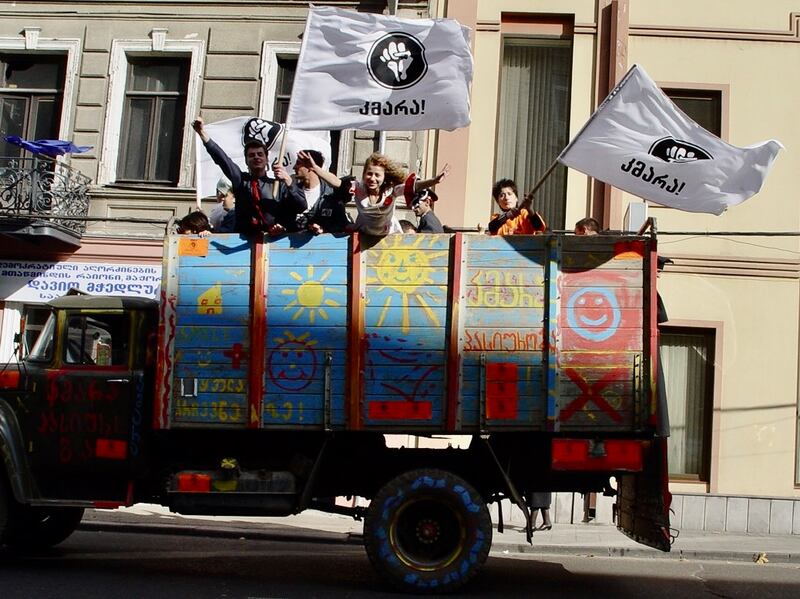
(677, 554)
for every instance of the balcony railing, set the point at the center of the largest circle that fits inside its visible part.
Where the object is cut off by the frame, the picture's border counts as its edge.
(39, 193)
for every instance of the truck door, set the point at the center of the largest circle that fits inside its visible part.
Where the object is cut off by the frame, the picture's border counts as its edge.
(82, 415)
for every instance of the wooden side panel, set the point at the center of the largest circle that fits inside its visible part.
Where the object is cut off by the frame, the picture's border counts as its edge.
(503, 384)
(405, 331)
(306, 335)
(211, 335)
(602, 333)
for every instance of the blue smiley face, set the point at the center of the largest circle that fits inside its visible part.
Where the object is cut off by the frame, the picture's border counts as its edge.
(593, 313)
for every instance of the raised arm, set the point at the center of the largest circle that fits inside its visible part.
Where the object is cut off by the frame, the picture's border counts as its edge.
(218, 155)
(426, 183)
(323, 174)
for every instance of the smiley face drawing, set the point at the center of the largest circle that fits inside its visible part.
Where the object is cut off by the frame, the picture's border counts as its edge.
(293, 363)
(593, 313)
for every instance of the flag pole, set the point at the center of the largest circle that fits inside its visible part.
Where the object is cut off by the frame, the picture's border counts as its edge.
(289, 110)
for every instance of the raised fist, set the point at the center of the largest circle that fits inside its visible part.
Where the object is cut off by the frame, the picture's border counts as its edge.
(397, 59)
(679, 154)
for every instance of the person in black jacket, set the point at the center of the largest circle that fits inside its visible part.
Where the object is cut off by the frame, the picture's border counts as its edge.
(422, 205)
(257, 209)
(326, 212)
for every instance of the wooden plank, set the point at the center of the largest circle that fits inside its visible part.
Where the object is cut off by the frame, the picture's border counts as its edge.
(406, 276)
(296, 295)
(212, 408)
(189, 370)
(206, 276)
(504, 296)
(201, 337)
(299, 260)
(598, 359)
(301, 338)
(499, 318)
(400, 339)
(509, 243)
(403, 358)
(622, 339)
(313, 317)
(602, 278)
(505, 277)
(310, 276)
(214, 295)
(502, 339)
(402, 372)
(308, 241)
(213, 316)
(432, 243)
(619, 297)
(511, 259)
(223, 251)
(300, 380)
(579, 261)
(386, 316)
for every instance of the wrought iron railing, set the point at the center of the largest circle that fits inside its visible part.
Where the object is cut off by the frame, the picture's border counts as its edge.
(43, 191)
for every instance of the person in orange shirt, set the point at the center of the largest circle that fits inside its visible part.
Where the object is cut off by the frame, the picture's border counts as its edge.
(516, 218)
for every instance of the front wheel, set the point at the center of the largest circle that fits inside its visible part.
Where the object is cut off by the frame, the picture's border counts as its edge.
(37, 528)
(428, 531)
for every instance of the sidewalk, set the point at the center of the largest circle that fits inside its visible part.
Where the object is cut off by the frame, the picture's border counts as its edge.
(563, 539)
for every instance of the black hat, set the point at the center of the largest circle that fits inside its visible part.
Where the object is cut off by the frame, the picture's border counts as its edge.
(425, 194)
(662, 260)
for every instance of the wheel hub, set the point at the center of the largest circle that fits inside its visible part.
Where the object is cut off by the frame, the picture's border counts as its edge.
(428, 531)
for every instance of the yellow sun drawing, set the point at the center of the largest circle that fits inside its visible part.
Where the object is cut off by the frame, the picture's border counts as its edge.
(403, 272)
(310, 295)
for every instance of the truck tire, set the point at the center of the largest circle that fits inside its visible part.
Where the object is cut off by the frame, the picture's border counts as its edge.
(36, 528)
(427, 531)
(5, 500)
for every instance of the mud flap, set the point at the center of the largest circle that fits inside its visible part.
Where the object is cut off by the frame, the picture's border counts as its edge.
(643, 500)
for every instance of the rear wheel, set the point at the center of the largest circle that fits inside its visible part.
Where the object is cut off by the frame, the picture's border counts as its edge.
(428, 531)
(36, 528)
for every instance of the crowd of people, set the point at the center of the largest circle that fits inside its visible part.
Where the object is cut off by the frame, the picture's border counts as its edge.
(315, 199)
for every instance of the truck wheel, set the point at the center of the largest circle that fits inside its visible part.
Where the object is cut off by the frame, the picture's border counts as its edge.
(5, 499)
(35, 528)
(428, 531)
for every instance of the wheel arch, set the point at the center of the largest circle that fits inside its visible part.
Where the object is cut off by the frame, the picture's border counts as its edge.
(12, 449)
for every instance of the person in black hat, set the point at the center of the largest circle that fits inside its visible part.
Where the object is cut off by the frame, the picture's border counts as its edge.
(257, 209)
(422, 205)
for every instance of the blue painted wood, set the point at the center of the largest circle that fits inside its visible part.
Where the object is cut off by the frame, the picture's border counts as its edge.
(226, 294)
(299, 259)
(200, 337)
(299, 273)
(381, 316)
(399, 339)
(511, 259)
(478, 339)
(404, 358)
(194, 370)
(501, 276)
(211, 408)
(408, 242)
(223, 250)
(302, 379)
(509, 243)
(402, 372)
(212, 275)
(305, 338)
(529, 318)
(214, 316)
(283, 295)
(204, 357)
(313, 317)
(307, 241)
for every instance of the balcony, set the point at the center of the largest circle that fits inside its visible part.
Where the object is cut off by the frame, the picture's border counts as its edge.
(38, 195)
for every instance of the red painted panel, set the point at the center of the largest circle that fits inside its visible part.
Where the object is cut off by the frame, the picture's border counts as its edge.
(113, 449)
(9, 379)
(603, 278)
(400, 410)
(622, 340)
(501, 391)
(612, 454)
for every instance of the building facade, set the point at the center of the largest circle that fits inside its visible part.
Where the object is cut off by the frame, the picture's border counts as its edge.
(127, 78)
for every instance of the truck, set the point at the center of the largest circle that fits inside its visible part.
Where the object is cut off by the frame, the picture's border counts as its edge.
(266, 380)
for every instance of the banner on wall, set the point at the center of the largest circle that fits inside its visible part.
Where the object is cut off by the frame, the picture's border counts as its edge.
(40, 282)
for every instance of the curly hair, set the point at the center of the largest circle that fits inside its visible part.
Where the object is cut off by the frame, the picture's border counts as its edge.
(394, 173)
(498, 187)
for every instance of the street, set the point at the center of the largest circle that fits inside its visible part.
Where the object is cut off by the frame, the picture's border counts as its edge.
(131, 565)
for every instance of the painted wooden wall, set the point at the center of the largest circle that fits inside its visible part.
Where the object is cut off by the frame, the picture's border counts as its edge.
(415, 333)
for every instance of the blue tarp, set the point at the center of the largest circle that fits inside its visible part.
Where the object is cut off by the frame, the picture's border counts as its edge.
(48, 147)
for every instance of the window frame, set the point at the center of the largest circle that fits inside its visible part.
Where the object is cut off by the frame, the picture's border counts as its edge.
(84, 316)
(271, 51)
(156, 99)
(711, 443)
(70, 47)
(117, 86)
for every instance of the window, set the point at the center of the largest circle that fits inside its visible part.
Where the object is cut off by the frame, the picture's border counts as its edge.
(33, 321)
(100, 340)
(42, 349)
(279, 65)
(153, 120)
(534, 119)
(31, 95)
(688, 360)
(702, 106)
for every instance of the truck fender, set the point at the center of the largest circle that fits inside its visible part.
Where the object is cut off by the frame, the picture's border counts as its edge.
(12, 449)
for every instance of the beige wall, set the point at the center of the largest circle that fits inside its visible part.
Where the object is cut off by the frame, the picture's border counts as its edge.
(747, 287)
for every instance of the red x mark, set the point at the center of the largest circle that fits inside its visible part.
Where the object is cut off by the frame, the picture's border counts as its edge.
(592, 392)
(236, 353)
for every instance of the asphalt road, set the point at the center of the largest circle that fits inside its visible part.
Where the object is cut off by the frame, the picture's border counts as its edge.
(128, 565)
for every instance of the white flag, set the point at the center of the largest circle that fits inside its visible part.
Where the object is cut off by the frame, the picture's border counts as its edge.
(639, 141)
(231, 135)
(367, 71)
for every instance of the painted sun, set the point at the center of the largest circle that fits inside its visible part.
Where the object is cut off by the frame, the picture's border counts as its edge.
(402, 269)
(311, 296)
